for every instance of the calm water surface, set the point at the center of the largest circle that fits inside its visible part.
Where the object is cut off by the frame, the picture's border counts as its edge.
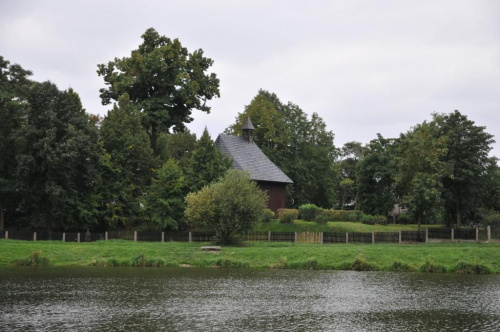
(189, 299)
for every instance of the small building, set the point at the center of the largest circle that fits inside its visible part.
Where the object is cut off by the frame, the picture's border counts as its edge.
(247, 157)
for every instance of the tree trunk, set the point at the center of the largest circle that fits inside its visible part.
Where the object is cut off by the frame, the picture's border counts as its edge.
(153, 137)
(459, 216)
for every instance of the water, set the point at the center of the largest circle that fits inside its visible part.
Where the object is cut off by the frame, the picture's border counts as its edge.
(189, 299)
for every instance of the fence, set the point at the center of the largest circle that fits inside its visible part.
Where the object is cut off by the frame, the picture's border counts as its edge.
(428, 235)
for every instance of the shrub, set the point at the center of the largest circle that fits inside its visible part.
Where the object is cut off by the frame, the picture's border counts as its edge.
(373, 219)
(35, 258)
(361, 264)
(432, 267)
(398, 266)
(466, 268)
(268, 215)
(287, 216)
(403, 218)
(321, 218)
(308, 211)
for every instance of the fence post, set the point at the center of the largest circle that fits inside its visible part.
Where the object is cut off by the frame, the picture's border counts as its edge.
(427, 235)
(488, 231)
(346, 237)
(269, 236)
(453, 235)
(400, 237)
(64, 237)
(6, 235)
(373, 237)
(190, 237)
(162, 237)
(477, 234)
(78, 237)
(34, 236)
(295, 238)
(321, 234)
(106, 236)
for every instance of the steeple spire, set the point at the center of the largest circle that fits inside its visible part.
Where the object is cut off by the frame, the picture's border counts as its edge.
(248, 129)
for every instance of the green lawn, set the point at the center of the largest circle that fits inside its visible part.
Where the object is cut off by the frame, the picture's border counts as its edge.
(442, 257)
(334, 226)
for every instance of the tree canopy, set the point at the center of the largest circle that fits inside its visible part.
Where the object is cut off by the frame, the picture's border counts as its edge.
(164, 80)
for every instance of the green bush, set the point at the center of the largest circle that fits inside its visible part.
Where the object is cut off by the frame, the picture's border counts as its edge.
(321, 218)
(308, 211)
(342, 215)
(373, 219)
(268, 215)
(287, 216)
(404, 218)
(489, 217)
(361, 264)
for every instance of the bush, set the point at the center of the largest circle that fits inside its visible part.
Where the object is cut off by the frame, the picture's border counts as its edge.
(403, 219)
(321, 218)
(343, 215)
(287, 216)
(466, 268)
(268, 215)
(373, 219)
(308, 211)
(432, 267)
(489, 217)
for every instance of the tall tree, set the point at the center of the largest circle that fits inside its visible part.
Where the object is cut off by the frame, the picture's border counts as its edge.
(179, 146)
(207, 164)
(164, 80)
(130, 163)
(466, 155)
(351, 153)
(58, 166)
(375, 177)
(421, 170)
(14, 85)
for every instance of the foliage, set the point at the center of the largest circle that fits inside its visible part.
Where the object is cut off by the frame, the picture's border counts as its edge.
(373, 219)
(342, 215)
(231, 206)
(351, 154)
(128, 164)
(207, 164)
(302, 148)
(178, 146)
(164, 202)
(287, 216)
(164, 80)
(308, 211)
(58, 165)
(489, 217)
(268, 215)
(467, 268)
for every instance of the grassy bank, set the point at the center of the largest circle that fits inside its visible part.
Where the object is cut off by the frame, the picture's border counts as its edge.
(438, 257)
(334, 226)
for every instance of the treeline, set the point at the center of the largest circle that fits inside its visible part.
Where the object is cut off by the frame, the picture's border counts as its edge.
(62, 168)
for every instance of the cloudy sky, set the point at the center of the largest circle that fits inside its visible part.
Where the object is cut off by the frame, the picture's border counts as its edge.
(364, 66)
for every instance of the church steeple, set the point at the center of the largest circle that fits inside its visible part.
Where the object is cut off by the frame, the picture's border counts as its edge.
(248, 129)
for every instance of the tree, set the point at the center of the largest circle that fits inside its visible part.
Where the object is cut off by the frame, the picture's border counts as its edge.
(231, 206)
(130, 163)
(164, 80)
(351, 153)
(466, 155)
(58, 165)
(165, 198)
(207, 164)
(179, 146)
(420, 170)
(14, 85)
(375, 177)
(302, 148)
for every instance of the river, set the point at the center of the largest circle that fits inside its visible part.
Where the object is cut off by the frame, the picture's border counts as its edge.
(192, 299)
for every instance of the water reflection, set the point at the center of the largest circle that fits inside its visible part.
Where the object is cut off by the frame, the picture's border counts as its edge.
(170, 299)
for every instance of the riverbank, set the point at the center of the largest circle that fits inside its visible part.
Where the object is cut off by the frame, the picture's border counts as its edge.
(433, 257)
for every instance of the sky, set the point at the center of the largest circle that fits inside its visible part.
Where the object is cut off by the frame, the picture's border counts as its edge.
(365, 66)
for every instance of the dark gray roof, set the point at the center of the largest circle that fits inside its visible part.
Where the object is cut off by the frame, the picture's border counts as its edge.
(248, 125)
(249, 158)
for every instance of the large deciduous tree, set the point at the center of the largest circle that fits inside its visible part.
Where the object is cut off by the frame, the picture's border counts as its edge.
(467, 157)
(164, 80)
(229, 207)
(58, 166)
(14, 85)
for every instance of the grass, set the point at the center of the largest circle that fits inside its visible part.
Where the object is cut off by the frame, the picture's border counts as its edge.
(433, 257)
(334, 226)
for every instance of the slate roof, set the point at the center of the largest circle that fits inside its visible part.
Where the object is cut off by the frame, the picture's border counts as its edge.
(249, 158)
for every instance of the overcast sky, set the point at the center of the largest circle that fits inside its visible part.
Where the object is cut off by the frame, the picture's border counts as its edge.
(365, 67)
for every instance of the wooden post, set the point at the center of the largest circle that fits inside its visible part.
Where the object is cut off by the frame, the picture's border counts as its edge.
(269, 236)
(135, 236)
(64, 237)
(346, 237)
(488, 230)
(427, 235)
(34, 236)
(453, 235)
(400, 237)
(190, 237)
(6, 235)
(295, 238)
(477, 234)
(162, 237)
(78, 237)
(321, 238)
(373, 237)
(106, 236)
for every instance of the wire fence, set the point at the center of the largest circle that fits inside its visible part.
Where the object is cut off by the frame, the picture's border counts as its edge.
(428, 235)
